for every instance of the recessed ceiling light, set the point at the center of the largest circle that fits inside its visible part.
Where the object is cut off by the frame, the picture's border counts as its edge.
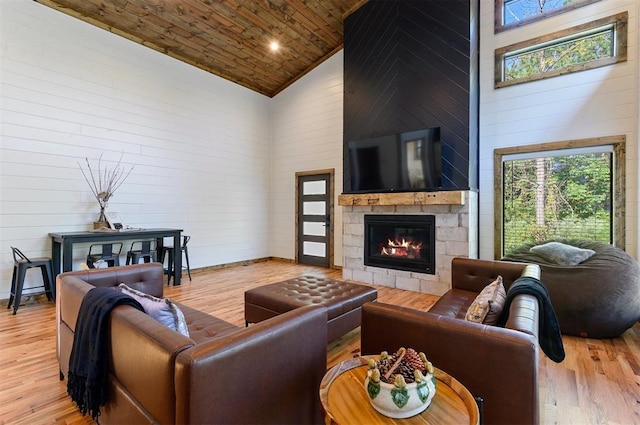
(274, 46)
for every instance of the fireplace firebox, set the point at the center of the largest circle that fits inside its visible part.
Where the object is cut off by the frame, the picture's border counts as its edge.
(401, 242)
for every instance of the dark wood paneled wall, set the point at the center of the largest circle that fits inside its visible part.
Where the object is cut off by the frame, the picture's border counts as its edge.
(411, 65)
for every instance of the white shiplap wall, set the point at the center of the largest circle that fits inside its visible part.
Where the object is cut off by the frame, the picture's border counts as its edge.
(200, 144)
(307, 136)
(598, 102)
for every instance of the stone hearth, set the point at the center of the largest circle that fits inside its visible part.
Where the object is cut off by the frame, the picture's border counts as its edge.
(456, 235)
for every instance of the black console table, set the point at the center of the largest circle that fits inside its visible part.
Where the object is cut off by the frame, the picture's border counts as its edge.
(62, 245)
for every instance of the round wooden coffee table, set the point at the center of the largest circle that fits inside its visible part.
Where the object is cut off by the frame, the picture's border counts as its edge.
(345, 400)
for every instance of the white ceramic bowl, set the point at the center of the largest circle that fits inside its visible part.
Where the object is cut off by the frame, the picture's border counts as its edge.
(395, 403)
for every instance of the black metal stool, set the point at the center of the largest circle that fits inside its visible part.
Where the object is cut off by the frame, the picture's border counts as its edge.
(108, 254)
(170, 251)
(147, 252)
(20, 266)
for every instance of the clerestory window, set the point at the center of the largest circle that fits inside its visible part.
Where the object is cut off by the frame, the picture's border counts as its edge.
(592, 45)
(515, 13)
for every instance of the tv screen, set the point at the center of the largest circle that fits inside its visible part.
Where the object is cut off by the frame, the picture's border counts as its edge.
(405, 162)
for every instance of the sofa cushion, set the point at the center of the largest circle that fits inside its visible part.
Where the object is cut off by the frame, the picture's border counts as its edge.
(204, 327)
(560, 253)
(488, 305)
(163, 310)
(454, 303)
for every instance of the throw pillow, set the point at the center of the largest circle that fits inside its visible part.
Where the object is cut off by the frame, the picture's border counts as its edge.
(560, 253)
(163, 310)
(488, 305)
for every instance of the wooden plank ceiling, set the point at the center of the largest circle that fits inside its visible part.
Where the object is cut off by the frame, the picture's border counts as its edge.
(229, 38)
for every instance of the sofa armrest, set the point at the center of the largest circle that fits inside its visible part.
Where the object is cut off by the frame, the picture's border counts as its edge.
(267, 373)
(532, 270)
(524, 315)
(500, 365)
(71, 291)
(142, 356)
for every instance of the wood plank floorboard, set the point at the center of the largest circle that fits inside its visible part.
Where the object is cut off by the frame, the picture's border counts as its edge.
(598, 383)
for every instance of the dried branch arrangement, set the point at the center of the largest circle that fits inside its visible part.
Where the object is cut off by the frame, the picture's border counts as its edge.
(104, 181)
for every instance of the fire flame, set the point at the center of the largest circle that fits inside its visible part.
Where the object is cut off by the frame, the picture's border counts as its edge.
(402, 248)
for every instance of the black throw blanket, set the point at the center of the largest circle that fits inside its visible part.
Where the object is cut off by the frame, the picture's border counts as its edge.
(549, 335)
(88, 364)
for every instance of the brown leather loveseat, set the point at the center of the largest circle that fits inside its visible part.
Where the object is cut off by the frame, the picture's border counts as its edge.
(495, 363)
(269, 372)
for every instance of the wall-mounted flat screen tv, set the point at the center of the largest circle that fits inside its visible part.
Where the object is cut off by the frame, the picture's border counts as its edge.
(404, 162)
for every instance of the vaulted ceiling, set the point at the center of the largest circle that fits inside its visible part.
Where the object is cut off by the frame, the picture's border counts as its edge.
(229, 38)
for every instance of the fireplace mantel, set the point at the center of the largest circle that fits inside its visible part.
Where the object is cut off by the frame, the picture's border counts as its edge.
(455, 197)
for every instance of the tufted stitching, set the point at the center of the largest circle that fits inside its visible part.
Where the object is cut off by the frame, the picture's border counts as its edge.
(339, 297)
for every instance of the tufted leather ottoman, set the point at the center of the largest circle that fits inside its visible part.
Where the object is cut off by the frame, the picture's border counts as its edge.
(343, 301)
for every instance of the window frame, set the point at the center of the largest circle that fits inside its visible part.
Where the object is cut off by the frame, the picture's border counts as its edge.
(619, 22)
(618, 197)
(500, 26)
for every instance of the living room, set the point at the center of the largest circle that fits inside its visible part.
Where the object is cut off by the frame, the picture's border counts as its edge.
(219, 160)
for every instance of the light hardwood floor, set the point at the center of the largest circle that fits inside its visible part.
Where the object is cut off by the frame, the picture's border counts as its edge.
(598, 383)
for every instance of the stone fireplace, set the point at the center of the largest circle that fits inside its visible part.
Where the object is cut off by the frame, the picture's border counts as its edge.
(455, 215)
(400, 242)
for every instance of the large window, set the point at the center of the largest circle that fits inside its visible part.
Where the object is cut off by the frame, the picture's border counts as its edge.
(559, 191)
(595, 44)
(515, 13)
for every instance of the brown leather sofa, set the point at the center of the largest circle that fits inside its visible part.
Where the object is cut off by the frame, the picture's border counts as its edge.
(498, 364)
(269, 372)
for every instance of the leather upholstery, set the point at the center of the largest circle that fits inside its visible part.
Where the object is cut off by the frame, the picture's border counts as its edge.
(222, 373)
(343, 301)
(268, 373)
(498, 364)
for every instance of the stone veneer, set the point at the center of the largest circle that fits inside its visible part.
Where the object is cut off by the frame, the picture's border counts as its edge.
(456, 235)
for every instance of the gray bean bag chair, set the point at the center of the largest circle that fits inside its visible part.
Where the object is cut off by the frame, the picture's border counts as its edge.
(597, 298)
